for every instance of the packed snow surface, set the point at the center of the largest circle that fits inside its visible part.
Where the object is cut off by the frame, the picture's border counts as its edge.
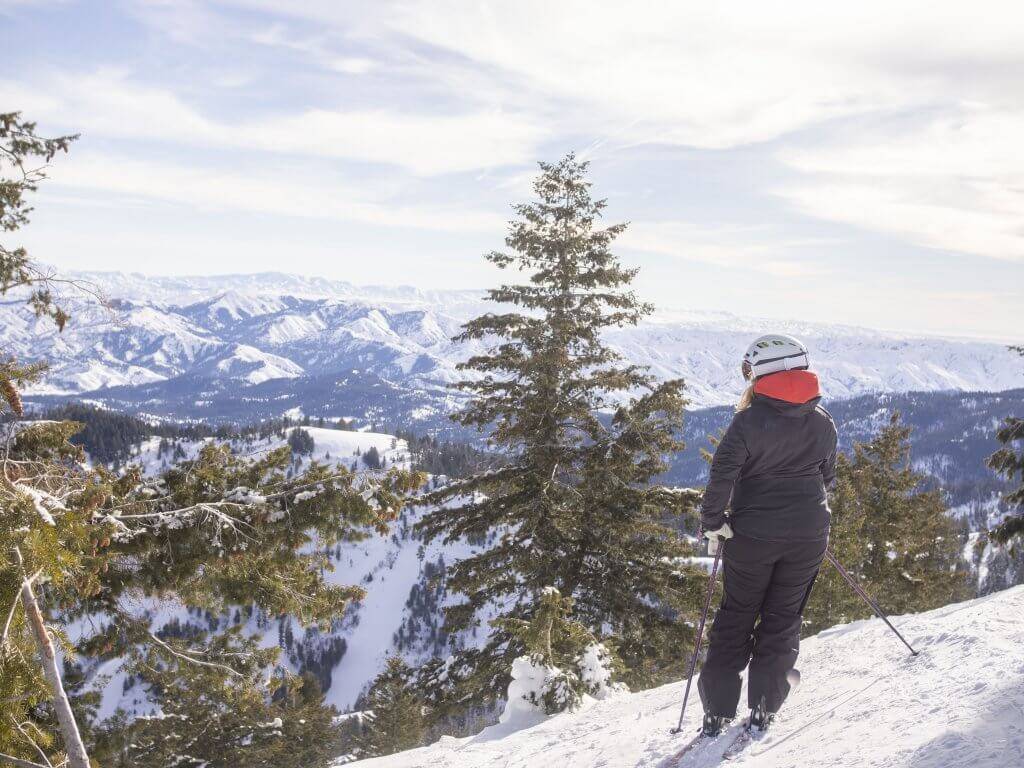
(864, 701)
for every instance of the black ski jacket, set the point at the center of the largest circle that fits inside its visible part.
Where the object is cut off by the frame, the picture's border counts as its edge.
(774, 464)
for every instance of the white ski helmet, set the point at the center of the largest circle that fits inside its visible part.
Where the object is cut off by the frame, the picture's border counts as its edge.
(774, 352)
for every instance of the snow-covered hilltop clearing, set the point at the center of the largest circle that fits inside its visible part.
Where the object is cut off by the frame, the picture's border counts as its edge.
(333, 447)
(863, 702)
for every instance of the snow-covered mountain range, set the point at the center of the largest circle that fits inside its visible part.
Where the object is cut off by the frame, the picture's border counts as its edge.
(234, 333)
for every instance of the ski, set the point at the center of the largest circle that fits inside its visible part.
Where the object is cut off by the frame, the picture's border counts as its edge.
(749, 733)
(698, 741)
(740, 742)
(673, 760)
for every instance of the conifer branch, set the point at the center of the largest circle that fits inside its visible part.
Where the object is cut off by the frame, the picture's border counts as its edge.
(192, 660)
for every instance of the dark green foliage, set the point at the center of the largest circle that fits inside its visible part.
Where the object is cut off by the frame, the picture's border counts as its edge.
(215, 712)
(1008, 461)
(396, 720)
(913, 561)
(211, 533)
(110, 437)
(832, 600)
(572, 506)
(301, 442)
(445, 457)
(896, 538)
(554, 641)
(371, 458)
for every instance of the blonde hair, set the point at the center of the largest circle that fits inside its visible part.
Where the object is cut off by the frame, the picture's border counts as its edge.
(746, 398)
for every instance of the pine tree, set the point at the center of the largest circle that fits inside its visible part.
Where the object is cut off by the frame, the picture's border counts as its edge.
(572, 508)
(301, 442)
(557, 650)
(26, 684)
(215, 532)
(913, 558)
(371, 459)
(215, 712)
(397, 722)
(1008, 461)
(832, 601)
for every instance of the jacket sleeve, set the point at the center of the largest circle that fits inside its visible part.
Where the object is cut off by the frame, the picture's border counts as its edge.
(730, 456)
(828, 466)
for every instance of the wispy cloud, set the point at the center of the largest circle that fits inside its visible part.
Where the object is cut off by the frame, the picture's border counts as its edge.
(316, 46)
(108, 103)
(755, 251)
(712, 75)
(953, 182)
(833, 151)
(721, 76)
(269, 191)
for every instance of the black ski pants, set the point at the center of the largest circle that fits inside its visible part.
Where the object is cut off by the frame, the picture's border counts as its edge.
(766, 588)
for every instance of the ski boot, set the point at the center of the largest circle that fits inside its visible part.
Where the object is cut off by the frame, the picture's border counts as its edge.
(713, 725)
(760, 718)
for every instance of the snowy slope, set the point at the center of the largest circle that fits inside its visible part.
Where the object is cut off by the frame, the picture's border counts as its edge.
(244, 330)
(863, 702)
(389, 568)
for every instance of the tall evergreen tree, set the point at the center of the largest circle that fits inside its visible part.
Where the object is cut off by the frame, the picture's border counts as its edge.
(573, 507)
(1008, 461)
(912, 562)
(894, 537)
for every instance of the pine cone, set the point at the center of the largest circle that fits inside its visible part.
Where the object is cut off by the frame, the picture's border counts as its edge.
(10, 394)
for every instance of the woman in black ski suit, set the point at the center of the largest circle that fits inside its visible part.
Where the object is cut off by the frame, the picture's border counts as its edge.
(771, 468)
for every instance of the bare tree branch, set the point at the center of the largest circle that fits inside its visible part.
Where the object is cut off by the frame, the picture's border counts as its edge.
(16, 761)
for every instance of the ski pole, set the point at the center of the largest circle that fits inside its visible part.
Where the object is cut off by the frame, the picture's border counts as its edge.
(866, 597)
(700, 633)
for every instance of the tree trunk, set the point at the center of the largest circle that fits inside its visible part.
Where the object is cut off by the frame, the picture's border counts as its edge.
(77, 757)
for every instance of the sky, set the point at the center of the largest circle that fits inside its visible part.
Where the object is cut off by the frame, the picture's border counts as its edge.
(857, 163)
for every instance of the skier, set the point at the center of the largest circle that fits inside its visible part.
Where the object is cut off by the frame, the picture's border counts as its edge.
(771, 468)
